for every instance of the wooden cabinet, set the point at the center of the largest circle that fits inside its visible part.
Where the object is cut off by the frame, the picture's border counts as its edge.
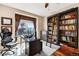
(35, 47)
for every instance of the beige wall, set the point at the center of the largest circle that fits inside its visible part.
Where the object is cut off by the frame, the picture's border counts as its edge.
(45, 23)
(10, 12)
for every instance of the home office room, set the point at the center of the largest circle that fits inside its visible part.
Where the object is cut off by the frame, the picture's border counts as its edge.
(39, 29)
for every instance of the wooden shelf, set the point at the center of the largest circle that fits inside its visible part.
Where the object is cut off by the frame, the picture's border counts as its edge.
(49, 34)
(68, 36)
(49, 26)
(69, 19)
(54, 34)
(67, 24)
(68, 30)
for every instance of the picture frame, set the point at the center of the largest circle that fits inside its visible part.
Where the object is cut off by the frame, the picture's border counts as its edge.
(9, 27)
(6, 21)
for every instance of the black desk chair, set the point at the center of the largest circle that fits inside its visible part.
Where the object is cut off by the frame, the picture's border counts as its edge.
(7, 45)
(6, 42)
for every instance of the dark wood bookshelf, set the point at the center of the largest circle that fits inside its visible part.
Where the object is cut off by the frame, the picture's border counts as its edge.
(54, 29)
(66, 24)
(69, 32)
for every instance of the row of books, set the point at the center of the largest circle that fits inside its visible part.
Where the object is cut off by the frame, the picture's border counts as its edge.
(50, 28)
(50, 24)
(54, 38)
(53, 27)
(68, 39)
(52, 33)
(50, 36)
(70, 27)
(70, 33)
(69, 15)
(54, 19)
(68, 21)
(49, 40)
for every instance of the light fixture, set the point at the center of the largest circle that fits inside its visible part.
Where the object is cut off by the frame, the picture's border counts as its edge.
(46, 5)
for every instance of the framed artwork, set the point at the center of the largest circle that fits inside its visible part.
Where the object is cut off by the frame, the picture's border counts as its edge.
(8, 27)
(6, 21)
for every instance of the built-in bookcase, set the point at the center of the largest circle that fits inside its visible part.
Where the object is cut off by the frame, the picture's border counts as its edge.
(63, 28)
(68, 27)
(53, 29)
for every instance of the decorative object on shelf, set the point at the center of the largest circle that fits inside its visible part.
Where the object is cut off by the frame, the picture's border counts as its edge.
(8, 27)
(64, 38)
(6, 21)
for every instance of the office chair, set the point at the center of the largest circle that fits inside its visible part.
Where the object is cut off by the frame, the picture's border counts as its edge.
(6, 41)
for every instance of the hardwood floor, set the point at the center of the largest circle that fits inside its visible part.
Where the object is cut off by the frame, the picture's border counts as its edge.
(66, 51)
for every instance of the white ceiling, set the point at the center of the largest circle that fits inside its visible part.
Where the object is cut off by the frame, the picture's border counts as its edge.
(38, 8)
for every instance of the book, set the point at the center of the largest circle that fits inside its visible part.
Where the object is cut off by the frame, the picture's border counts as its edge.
(66, 27)
(60, 27)
(73, 14)
(49, 40)
(50, 32)
(68, 39)
(67, 16)
(50, 28)
(50, 24)
(54, 32)
(54, 38)
(49, 36)
(64, 38)
(63, 17)
(55, 27)
(63, 22)
(71, 27)
(53, 19)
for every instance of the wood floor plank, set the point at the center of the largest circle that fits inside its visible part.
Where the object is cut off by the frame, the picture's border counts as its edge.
(65, 50)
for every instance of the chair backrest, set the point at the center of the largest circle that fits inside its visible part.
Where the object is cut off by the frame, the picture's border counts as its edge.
(6, 40)
(5, 36)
